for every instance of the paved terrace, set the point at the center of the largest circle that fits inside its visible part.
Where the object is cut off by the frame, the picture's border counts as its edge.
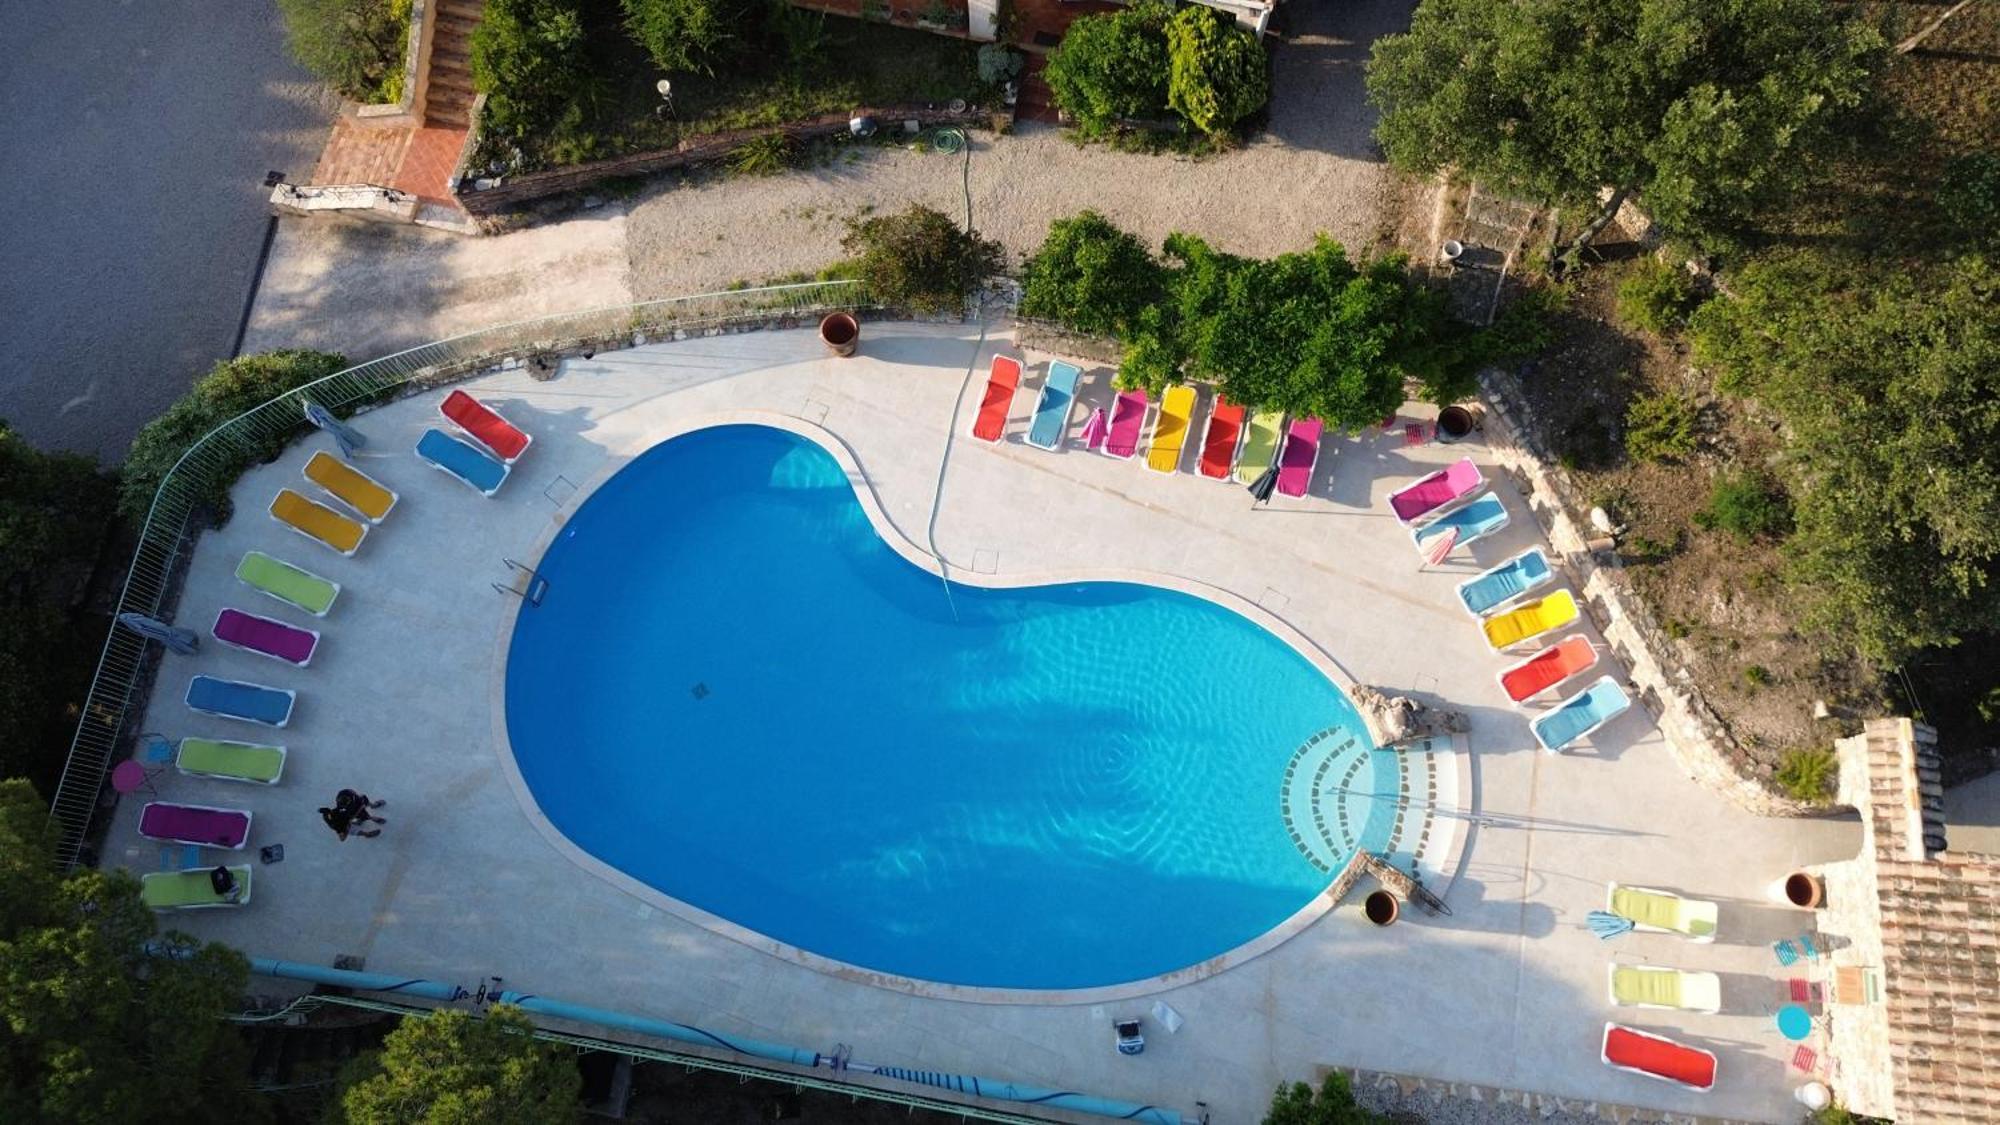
(401, 702)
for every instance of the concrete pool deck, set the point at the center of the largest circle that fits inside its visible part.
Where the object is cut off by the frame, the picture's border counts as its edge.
(1508, 991)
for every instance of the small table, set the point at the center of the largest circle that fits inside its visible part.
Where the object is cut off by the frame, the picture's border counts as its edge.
(1794, 1022)
(129, 776)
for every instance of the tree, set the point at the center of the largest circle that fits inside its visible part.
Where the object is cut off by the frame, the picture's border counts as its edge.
(355, 46)
(97, 1029)
(1111, 66)
(453, 1068)
(683, 34)
(529, 58)
(919, 259)
(1708, 108)
(1333, 1104)
(1090, 276)
(1217, 72)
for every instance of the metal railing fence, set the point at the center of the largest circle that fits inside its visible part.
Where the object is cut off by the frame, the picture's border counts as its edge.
(204, 473)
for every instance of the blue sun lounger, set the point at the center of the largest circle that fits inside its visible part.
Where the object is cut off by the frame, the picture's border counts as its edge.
(1580, 714)
(1052, 409)
(234, 699)
(461, 461)
(1473, 522)
(1495, 588)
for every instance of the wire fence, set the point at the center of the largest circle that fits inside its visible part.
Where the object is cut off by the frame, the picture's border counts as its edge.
(211, 464)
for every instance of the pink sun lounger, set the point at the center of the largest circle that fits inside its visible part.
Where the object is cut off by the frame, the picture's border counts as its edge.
(1414, 501)
(265, 636)
(484, 425)
(202, 825)
(1295, 464)
(1128, 421)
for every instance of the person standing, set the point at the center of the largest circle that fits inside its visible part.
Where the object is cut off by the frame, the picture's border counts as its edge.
(349, 814)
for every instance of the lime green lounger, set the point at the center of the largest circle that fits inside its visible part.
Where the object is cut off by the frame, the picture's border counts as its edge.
(1663, 912)
(231, 761)
(1649, 986)
(287, 583)
(187, 890)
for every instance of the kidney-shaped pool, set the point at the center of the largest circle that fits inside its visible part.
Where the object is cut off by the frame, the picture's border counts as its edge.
(737, 694)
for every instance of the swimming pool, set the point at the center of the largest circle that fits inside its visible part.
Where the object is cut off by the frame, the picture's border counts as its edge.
(737, 694)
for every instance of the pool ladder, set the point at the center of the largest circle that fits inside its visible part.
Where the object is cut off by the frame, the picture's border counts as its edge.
(524, 582)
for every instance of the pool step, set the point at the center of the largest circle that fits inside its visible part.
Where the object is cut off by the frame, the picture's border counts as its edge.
(1340, 796)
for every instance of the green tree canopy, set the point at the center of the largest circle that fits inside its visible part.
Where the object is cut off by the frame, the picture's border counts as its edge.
(1112, 66)
(355, 46)
(1889, 388)
(1091, 276)
(97, 1030)
(1708, 108)
(1217, 72)
(454, 1068)
(919, 258)
(531, 60)
(1332, 1104)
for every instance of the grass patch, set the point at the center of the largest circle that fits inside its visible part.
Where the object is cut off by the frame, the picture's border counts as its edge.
(1808, 774)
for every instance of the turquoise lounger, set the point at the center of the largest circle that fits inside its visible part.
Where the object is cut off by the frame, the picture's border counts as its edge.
(1487, 592)
(1473, 522)
(1052, 409)
(462, 461)
(234, 699)
(1580, 714)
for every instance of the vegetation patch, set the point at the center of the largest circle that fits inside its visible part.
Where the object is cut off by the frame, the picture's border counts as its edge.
(1809, 774)
(355, 46)
(1654, 296)
(919, 259)
(1661, 427)
(1133, 76)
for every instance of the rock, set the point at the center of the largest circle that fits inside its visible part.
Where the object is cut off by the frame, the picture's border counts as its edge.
(1601, 520)
(1393, 719)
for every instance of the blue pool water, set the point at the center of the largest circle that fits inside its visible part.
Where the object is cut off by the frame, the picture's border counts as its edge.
(736, 693)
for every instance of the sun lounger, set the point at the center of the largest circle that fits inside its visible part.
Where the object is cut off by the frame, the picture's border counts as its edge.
(1301, 454)
(230, 761)
(462, 461)
(1529, 620)
(265, 636)
(1663, 912)
(1473, 522)
(287, 583)
(187, 890)
(1484, 593)
(1649, 986)
(318, 522)
(206, 825)
(1630, 1049)
(1170, 430)
(1260, 445)
(1547, 668)
(234, 699)
(1576, 717)
(483, 424)
(1000, 383)
(1219, 441)
(349, 485)
(1052, 408)
(1425, 495)
(1128, 421)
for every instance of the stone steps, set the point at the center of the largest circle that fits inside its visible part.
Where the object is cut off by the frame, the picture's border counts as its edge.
(448, 104)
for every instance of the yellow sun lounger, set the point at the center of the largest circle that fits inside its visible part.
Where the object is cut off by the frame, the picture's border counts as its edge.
(1170, 430)
(349, 485)
(1663, 912)
(1531, 619)
(1649, 986)
(317, 522)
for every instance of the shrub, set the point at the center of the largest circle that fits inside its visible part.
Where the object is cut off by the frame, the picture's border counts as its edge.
(231, 387)
(529, 58)
(1111, 66)
(1756, 676)
(355, 46)
(684, 34)
(920, 259)
(1332, 1104)
(1969, 196)
(1808, 774)
(1748, 506)
(1090, 276)
(1525, 328)
(999, 63)
(1217, 73)
(762, 156)
(1660, 427)
(1655, 297)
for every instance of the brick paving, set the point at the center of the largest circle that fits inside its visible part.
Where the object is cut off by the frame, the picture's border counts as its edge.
(356, 153)
(427, 162)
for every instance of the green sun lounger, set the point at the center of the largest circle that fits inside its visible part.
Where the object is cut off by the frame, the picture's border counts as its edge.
(231, 761)
(1649, 986)
(191, 889)
(1260, 445)
(1662, 911)
(287, 583)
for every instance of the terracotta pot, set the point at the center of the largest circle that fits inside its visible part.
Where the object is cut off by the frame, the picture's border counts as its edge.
(1381, 908)
(1456, 423)
(1802, 889)
(840, 332)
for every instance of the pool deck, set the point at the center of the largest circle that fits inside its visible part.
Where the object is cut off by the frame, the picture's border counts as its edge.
(462, 884)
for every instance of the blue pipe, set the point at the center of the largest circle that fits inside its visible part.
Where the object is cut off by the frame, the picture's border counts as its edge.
(679, 1032)
(1033, 1095)
(341, 978)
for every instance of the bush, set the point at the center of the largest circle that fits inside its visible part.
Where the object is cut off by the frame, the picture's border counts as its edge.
(1525, 328)
(1808, 774)
(999, 64)
(683, 34)
(530, 59)
(1748, 506)
(231, 387)
(1332, 1104)
(1660, 427)
(920, 260)
(1655, 297)
(767, 155)
(1110, 67)
(355, 46)
(1217, 73)
(1090, 276)
(1969, 196)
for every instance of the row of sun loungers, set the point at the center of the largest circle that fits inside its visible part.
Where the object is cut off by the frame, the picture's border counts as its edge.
(1652, 986)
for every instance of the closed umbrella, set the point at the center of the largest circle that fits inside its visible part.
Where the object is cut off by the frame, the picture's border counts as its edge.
(176, 640)
(343, 435)
(1607, 925)
(1094, 429)
(1265, 484)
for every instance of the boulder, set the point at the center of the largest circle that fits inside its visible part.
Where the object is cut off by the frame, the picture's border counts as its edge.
(1393, 719)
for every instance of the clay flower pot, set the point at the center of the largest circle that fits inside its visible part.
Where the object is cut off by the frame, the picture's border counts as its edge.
(1381, 908)
(1456, 423)
(840, 332)
(1802, 889)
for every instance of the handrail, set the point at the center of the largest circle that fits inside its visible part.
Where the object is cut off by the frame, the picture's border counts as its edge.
(221, 452)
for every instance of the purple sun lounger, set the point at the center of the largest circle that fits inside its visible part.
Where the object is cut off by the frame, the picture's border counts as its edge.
(265, 636)
(202, 825)
(1295, 465)
(1128, 421)
(1448, 485)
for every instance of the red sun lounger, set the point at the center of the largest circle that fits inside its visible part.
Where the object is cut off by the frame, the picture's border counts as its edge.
(1631, 1049)
(1295, 465)
(1128, 421)
(265, 636)
(1547, 668)
(484, 425)
(1000, 384)
(201, 825)
(1218, 448)
(1420, 498)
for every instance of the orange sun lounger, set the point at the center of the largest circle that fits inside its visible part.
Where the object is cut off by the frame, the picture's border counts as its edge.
(1547, 668)
(1218, 447)
(483, 424)
(318, 522)
(992, 420)
(1628, 1048)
